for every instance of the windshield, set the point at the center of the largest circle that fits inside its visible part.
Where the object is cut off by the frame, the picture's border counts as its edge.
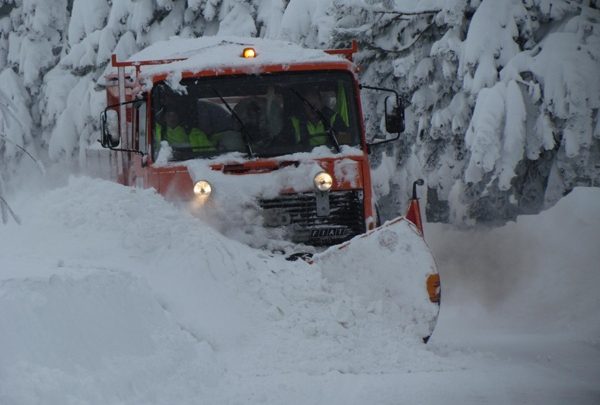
(259, 115)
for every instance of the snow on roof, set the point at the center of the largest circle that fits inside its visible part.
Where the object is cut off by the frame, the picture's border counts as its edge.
(206, 53)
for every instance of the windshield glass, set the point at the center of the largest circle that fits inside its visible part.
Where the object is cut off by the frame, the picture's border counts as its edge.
(259, 115)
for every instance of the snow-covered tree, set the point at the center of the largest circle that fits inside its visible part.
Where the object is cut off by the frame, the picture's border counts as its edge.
(502, 96)
(503, 116)
(29, 33)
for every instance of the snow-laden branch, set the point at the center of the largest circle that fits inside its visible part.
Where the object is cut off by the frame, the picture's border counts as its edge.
(6, 208)
(410, 13)
(7, 110)
(36, 161)
(406, 47)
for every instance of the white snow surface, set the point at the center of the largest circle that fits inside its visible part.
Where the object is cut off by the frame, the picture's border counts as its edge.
(111, 295)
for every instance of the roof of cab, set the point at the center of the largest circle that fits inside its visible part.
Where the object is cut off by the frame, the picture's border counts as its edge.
(221, 53)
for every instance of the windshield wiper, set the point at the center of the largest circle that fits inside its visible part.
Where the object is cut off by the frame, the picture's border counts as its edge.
(330, 131)
(242, 126)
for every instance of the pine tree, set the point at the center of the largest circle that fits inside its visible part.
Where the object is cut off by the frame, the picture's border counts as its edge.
(503, 102)
(502, 97)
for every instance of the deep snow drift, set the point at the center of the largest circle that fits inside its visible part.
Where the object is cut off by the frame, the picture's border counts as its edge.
(111, 295)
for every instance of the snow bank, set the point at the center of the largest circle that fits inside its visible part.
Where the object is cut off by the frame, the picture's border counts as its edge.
(531, 275)
(101, 337)
(110, 294)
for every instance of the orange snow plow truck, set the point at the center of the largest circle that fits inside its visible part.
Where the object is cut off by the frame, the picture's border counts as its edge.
(262, 133)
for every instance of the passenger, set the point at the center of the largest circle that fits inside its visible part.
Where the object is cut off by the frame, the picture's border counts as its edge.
(200, 141)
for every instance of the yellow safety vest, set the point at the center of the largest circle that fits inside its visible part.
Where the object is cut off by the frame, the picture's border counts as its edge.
(342, 105)
(199, 141)
(317, 134)
(174, 136)
(177, 136)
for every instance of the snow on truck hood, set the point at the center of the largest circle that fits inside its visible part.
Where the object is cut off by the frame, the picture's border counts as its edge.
(269, 184)
(207, 53)
(234, 197)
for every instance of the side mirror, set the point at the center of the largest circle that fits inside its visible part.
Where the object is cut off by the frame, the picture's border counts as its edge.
(394, 115)
(110, 129)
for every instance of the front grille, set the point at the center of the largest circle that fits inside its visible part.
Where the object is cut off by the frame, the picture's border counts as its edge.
(297, 214)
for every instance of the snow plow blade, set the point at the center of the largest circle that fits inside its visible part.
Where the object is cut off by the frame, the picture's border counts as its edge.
(392, 268)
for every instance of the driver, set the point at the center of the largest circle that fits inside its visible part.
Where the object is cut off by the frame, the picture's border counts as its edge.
(173, 133)
(251, 112)
(176, 135)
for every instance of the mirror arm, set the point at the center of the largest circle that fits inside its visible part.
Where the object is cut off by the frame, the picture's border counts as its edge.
(384, 141)
(138, 100)
(139, 152)
(363, 86)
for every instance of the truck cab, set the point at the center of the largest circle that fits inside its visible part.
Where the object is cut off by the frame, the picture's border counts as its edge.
(249, 131)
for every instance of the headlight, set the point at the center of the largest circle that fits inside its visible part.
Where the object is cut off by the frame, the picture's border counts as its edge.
(202, 188)
(323, 181)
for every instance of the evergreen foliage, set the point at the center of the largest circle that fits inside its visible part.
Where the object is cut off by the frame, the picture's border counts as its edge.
(503, 97)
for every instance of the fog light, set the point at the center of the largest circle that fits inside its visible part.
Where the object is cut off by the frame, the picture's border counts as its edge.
(202, 188)
(323, 181)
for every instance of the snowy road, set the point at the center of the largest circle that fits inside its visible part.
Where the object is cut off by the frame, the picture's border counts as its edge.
(112, 296)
